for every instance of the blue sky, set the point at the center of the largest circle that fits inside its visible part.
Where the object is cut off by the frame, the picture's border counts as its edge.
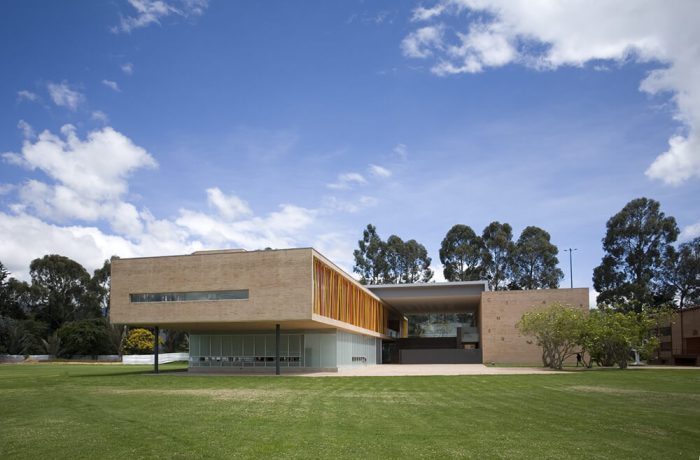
(148, 127)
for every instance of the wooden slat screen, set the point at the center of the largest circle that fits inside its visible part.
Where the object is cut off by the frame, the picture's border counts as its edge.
(337, 298)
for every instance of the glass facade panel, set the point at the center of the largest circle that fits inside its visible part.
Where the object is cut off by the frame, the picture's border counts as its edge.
(240, 294)
(245, 350)
(441, 324)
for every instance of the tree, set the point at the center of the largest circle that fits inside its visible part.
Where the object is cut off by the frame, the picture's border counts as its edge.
(461, 254)
(370, 261)
(610, 335)
(140, 341)
(60, 291)
(497, 255)
(557, 329)
(535, 261)
(99, 286)
(85, 337)
(636, 240)
(391, 261)
(682, 274)
(407, 262)
(16, 299)
(175, 341)
(15, 338)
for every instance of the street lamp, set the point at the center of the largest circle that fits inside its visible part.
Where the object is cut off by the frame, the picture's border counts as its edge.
(571, 270)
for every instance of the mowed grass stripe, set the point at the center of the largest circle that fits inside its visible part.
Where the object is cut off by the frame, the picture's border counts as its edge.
(64, 411)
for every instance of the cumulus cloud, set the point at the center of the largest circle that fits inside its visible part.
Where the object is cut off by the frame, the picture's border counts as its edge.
(25, 95)
(423, 42)
(278, 229)
(87, 187)
(128, 68)
(111, 85)
(152, 11)
(64, 96)
(379, 171)
(89, 177)
(547, 35)
(347, 180)
(228, 206)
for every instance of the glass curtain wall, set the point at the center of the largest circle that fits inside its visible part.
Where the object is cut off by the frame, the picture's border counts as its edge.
(245, 350)
(443, 325)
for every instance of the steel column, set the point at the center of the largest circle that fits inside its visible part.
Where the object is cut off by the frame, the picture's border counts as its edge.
(156, 333)
(277, 349)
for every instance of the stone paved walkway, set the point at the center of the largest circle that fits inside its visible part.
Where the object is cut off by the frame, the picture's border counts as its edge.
(430, 369)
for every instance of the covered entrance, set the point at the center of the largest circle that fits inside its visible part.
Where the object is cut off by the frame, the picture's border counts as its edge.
(442, 322)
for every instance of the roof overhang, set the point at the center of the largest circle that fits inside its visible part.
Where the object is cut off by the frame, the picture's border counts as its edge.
(449, 297)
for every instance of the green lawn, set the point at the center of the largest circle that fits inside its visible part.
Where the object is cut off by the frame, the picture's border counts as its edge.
(114, 411)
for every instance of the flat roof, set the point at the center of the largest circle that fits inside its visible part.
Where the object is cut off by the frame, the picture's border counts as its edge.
(446, 297)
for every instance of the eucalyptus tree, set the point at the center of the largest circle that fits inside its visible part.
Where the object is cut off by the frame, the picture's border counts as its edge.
(535, 261)
(461, 254)
(497, 255)
(637, 240)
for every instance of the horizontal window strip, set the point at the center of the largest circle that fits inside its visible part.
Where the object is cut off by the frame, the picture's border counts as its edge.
(198, 296)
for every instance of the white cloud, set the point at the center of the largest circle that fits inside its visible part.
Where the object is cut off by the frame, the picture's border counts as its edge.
(111, 85)
(27, 130)
(332, 203)
(423, 14)
(379, 171)
(64, 96)
(152, 11)
(689, 232)
(27, 96)
(99, 115)
(347, 180)
(279, 229)
(423, 42)
(89, 177)
(230, 207)
(401, 150)
(547, 35)
(128, 68)
(88, 186)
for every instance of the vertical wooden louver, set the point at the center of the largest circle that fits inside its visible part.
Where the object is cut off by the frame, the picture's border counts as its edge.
(338, 298)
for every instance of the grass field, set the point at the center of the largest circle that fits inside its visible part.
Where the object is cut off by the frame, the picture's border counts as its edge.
(114, 411)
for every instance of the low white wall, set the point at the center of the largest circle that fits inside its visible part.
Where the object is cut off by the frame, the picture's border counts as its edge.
(162, 358)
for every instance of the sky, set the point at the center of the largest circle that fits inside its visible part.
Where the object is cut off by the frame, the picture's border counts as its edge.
(154, 127)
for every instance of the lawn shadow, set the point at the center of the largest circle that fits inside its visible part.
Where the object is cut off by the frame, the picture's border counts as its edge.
(134, 372)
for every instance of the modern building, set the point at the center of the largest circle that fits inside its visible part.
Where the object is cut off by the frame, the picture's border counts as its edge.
(293, 308)
(678, 347)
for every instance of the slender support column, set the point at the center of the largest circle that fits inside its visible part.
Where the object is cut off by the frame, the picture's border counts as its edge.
(156, 333)
(277, 349)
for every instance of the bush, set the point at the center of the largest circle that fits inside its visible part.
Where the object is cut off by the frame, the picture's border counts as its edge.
(140, 342)
(86, 337)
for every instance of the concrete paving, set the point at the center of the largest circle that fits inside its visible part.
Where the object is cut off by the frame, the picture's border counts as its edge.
(386, 370)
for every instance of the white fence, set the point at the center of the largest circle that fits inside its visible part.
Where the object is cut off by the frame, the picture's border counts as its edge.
(162, 358)
(126, 359)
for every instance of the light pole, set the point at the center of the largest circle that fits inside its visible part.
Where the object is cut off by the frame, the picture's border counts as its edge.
(571, 270)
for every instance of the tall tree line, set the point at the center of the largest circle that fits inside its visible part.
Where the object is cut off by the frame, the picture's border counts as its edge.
(529, 263)
(393, 261)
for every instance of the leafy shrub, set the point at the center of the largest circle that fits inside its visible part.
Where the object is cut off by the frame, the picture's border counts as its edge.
(85, 337)
(140, 341)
